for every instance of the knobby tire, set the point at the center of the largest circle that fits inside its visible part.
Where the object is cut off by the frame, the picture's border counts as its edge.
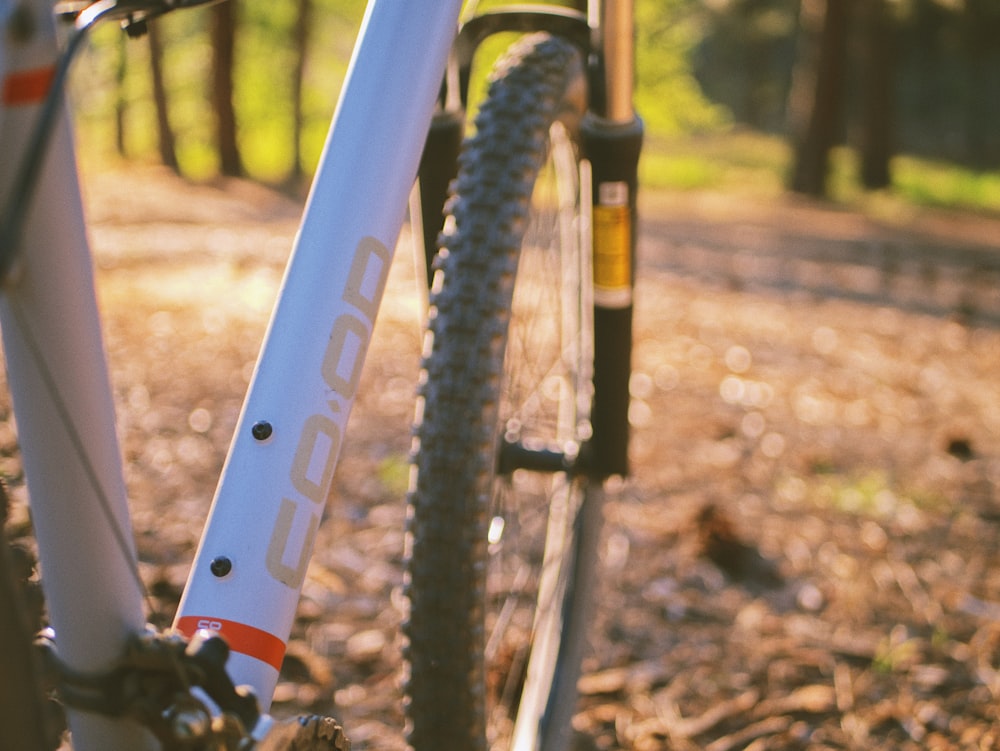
(497, 369)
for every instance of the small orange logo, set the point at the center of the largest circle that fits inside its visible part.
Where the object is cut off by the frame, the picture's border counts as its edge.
(27, 86)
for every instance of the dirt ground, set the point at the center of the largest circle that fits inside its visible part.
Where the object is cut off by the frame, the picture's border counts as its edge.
(804, 557)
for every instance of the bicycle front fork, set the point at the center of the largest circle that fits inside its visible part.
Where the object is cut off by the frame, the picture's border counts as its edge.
(613, 151)
(611, 140)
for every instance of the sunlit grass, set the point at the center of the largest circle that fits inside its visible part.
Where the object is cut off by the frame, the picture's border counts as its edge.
(736, 161)
(940, 184)
(757, 163)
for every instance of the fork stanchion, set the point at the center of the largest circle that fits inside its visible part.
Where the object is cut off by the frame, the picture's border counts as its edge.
(613, 150)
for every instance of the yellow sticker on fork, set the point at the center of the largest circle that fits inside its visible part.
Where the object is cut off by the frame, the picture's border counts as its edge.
(612, 247)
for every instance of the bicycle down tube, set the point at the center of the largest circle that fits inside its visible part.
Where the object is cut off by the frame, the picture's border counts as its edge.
(277, 477)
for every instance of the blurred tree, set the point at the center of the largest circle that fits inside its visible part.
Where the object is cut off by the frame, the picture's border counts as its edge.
(746, 56)
(121, 68)
(300, 43)
(166, 141)
(223, 33)
(816, 104)
(668, 95)
(877, 93)
(980, 30)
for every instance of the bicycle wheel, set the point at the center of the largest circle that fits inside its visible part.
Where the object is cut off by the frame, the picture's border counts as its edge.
(502, 532)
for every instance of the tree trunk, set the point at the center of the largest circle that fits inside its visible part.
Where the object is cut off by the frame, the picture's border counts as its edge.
(878, 95)
(755, 64)
(980, 25)
(120, 101)
(223, 61)
(165, 134)
(817, 96)
(300, 42)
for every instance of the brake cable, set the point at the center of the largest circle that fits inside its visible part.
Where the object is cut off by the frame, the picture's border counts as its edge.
(133, 16)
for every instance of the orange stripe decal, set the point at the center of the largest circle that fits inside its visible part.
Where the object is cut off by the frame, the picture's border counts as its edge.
(247, 640)
(27, 86)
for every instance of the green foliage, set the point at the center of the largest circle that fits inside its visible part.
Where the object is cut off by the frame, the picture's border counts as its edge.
(186, 62)
(916, 182)
(735, 160)
(96, 93)
(263, 94)
(394, 474)
(263, 86)
(265, 67)
(668, 95)
(933, 183)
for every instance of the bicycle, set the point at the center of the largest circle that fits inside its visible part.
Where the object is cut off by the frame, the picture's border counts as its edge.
(495, 433)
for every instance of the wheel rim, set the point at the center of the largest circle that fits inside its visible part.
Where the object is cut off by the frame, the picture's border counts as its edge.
(545, 405)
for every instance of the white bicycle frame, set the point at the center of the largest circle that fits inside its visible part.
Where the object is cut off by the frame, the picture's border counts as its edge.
(278, 473)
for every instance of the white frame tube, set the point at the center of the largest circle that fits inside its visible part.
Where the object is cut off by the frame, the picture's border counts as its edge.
(61, 392)
(274, 488)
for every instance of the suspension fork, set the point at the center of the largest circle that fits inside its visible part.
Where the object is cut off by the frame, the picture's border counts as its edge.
(438, 167)
(439, 163)
(612, 140)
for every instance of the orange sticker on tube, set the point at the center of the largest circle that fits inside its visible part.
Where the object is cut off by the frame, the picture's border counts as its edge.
(27, 86)
(242, 638)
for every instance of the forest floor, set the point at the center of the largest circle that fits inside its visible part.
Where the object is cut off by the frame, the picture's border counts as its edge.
(805, 555)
